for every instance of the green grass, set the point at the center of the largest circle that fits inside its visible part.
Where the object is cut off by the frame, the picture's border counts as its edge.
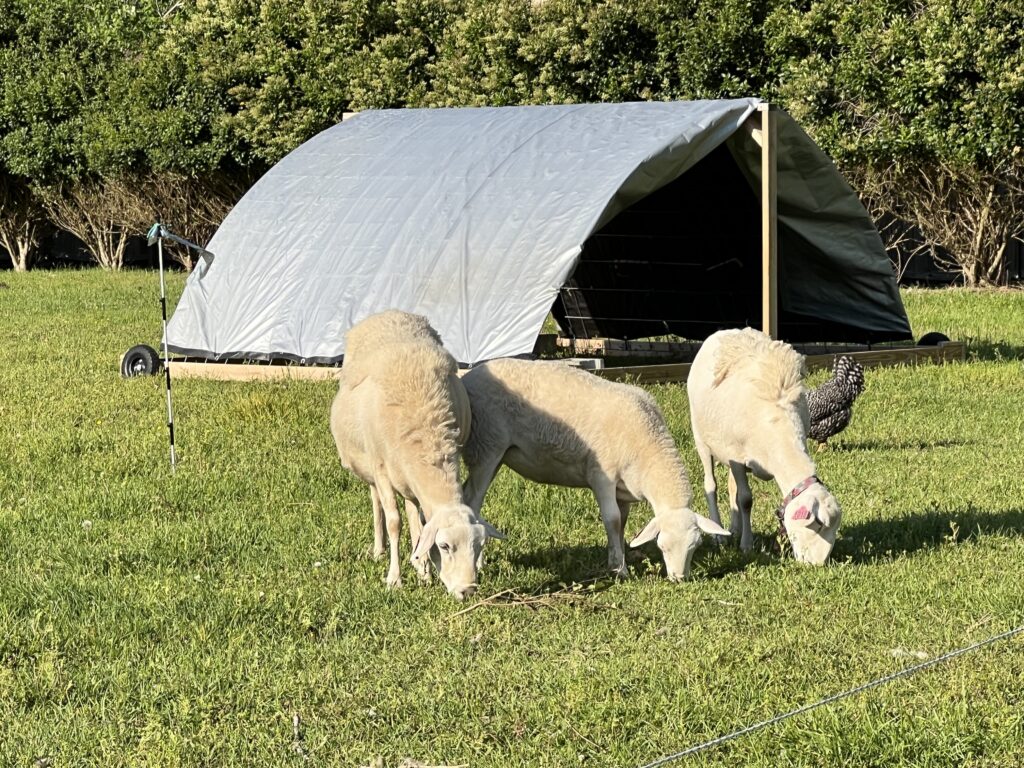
(151, 619)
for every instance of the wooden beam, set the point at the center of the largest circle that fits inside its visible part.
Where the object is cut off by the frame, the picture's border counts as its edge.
(666, 373)
(769, 224)
(953, 351)
(621, 348)
(251, 372)
(948, 352)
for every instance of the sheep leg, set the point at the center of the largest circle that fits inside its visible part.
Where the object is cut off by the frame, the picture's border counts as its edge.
(710, 486)
(612, 519)
(393, 521)
(480, 477)
(378, 524)
(625, 507)
(740, 501)
(412, 514)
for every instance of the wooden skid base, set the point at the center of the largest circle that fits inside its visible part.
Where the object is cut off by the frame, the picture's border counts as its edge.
(952, 351)
(251, 372)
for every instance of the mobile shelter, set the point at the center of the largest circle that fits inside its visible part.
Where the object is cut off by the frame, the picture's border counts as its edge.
(625, 220)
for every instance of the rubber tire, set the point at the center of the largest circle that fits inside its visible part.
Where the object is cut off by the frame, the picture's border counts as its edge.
(140, 360)
(932, 339)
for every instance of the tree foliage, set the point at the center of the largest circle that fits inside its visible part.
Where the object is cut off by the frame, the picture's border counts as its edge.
(919, 101)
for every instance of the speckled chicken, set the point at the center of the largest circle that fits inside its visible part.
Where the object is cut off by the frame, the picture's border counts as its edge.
(831, 404)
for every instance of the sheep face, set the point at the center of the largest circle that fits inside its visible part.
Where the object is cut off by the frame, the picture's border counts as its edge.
(454, 540)
(678, 535)
(812, 522)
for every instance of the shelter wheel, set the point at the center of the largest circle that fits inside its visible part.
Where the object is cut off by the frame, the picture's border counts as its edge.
(932, 339)
(140, 360)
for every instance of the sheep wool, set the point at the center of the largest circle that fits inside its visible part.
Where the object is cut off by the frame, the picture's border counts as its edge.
(748, 411)
(555, 424)
(398, 420)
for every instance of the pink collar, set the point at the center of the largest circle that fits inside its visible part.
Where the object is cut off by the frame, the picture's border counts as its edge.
(802, 486)
(780, 513)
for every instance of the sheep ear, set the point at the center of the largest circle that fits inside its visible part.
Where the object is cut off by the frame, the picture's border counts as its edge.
(708, 525)
(490, 530)
(649, 533)
(426, 540)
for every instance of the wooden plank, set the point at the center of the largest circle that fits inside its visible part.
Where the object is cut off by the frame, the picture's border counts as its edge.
(666, 373)
(251, 372)
(769, 225)
(953, 351)
(622, 348)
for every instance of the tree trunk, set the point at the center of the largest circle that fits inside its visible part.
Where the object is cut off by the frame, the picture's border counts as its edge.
(94, 214)
(21, 222)
(965, 215)
(21, 255)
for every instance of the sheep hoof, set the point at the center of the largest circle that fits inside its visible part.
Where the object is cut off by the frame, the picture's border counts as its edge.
(393, 582)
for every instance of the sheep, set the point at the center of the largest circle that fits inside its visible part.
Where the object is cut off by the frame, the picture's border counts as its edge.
(361, 341)
(558, 425)
(397, 420)
(748, 410)
(387, 327)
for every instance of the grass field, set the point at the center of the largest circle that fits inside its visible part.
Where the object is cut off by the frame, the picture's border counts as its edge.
(151, 619)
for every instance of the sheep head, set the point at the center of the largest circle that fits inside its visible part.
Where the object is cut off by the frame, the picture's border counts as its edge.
(812, 522)
(454, 539)
(678, 535)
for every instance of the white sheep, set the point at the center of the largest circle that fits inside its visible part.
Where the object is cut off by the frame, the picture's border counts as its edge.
(555, 424)
(361, 341)
(748, 410)
(398, 419)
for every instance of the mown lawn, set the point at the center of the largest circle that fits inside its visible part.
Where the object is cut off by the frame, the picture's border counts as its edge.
(151, 619)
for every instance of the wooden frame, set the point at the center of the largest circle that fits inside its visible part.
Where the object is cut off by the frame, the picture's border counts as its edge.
(951, 351)
(769, 224)
(762, 130)
(184, 369)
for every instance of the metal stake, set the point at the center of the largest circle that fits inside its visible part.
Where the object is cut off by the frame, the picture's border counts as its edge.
(167, 357)
(156, 234)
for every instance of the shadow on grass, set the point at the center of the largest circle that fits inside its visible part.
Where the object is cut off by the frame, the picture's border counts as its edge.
(851, 446)
(564, 564)
(865, 542)
(985, 349)
(859, 543)
(569, 565)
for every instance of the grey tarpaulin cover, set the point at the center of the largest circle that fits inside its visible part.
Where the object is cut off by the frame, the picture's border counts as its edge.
(476, 218)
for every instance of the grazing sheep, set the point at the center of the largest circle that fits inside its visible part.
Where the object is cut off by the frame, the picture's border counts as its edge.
(555, 424)
(397, 420)
(748, 409)
(361, 341)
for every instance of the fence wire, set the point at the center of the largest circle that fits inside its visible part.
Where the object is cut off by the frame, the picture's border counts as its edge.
(833, 698)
